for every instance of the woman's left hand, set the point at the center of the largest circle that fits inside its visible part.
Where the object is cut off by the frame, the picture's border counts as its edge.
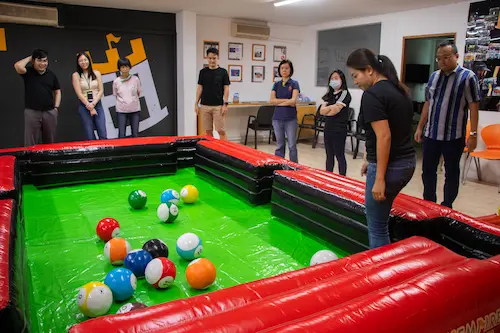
(378, 190)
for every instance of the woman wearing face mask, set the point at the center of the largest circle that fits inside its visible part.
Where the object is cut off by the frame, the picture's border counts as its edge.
(386, 113)
(336, 109)
(88, 87)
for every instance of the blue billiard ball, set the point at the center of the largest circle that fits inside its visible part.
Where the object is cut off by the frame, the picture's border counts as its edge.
(170, 196)
(189, 246)
(122, 283)
(136, 261)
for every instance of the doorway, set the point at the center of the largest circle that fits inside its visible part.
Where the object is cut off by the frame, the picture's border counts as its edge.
(419, 62)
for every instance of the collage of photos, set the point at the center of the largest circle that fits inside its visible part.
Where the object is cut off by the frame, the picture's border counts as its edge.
(482, 50)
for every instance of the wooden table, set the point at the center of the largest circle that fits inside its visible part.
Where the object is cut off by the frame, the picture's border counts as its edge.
(303, 108)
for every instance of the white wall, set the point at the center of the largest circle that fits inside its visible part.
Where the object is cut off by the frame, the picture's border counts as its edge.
(301, 43)
(442, 19)
(436, 20)
(186, 72)
(219, 29)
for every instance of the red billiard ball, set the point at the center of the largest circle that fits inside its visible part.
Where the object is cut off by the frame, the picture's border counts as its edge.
(107, 228)
(160, 272)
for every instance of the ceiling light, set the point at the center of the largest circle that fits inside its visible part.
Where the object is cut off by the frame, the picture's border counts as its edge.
(285, 2)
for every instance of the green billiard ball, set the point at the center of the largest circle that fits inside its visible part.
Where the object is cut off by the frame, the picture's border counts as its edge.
(137, 199)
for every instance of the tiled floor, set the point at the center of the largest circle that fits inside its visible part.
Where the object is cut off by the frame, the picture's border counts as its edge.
(475, 199)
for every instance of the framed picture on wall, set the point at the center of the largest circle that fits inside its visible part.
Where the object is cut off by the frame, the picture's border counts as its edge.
(258, 73)
(207, 45)
(258, 52)
(279, 53)
(235, 73)
(235, 51)
(276, 74)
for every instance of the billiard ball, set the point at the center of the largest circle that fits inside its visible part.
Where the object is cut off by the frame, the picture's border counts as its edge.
(200, 273)
(94, 299)
(122, 283)
(107, 228)
(116, 249)
(189, 194)
(156, 247)
(160, 273)
(189, 246)
(136, 261)
(131, 307)
(137, 199)
(167, 212)
(322, 256)
(170, 196)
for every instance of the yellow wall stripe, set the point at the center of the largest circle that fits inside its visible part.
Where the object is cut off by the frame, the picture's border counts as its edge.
(3, 42)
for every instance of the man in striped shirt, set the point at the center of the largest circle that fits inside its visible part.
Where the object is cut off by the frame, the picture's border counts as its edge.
(451, 92)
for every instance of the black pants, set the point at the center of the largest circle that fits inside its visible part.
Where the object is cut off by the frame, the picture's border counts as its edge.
(451, 152)
(133, 118)
(335, 148)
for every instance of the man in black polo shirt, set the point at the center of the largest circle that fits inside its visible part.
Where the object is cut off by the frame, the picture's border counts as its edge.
(213, 91)
(42, 97)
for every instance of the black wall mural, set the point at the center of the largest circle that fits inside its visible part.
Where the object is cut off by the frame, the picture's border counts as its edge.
(147, 39)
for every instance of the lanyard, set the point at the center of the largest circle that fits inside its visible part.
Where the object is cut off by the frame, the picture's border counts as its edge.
(88, 80)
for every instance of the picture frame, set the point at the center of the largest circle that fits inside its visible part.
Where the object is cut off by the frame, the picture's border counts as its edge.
(235, 73)
(258, 52)
(258, 73)
(279, 53)
(209, 44)
(276, 75)
(234, 51)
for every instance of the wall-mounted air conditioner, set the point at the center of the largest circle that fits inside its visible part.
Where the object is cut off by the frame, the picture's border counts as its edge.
(250, 29)
(28, 14)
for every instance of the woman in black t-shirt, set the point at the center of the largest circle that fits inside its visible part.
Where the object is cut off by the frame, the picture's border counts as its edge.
(386, 113)
(335, 108)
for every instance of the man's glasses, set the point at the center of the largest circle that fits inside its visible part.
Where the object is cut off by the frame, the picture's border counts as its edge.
(444, 58)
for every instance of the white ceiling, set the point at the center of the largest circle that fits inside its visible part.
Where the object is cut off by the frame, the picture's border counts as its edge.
(306, 12)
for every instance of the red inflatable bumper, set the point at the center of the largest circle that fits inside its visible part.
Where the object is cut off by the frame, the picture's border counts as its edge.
(264, 304)
(414, 285)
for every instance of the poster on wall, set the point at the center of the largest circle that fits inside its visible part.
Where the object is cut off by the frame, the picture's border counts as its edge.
(235, 51)
(258, 73)
(208, 44)
(279, 53)
(482, 50)
(235, 73)
(157, 100)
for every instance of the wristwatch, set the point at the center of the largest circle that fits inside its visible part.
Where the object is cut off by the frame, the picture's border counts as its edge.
(226, 103)
(473, 133)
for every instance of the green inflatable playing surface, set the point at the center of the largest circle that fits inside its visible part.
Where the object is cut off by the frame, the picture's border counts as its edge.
(244, 242)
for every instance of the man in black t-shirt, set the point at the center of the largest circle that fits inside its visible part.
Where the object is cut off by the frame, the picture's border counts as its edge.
(42, 97)
(213, 90)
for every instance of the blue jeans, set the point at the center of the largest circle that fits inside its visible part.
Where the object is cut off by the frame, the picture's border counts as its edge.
(134, 118)
(90, 122)
(397, 176)
(289, 128)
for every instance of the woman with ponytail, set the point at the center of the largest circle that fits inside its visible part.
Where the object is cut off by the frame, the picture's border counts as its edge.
(386, 114)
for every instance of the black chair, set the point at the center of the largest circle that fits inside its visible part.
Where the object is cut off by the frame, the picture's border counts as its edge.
(359, 134)
(263, 122)
(350, 130)
(315, 122)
